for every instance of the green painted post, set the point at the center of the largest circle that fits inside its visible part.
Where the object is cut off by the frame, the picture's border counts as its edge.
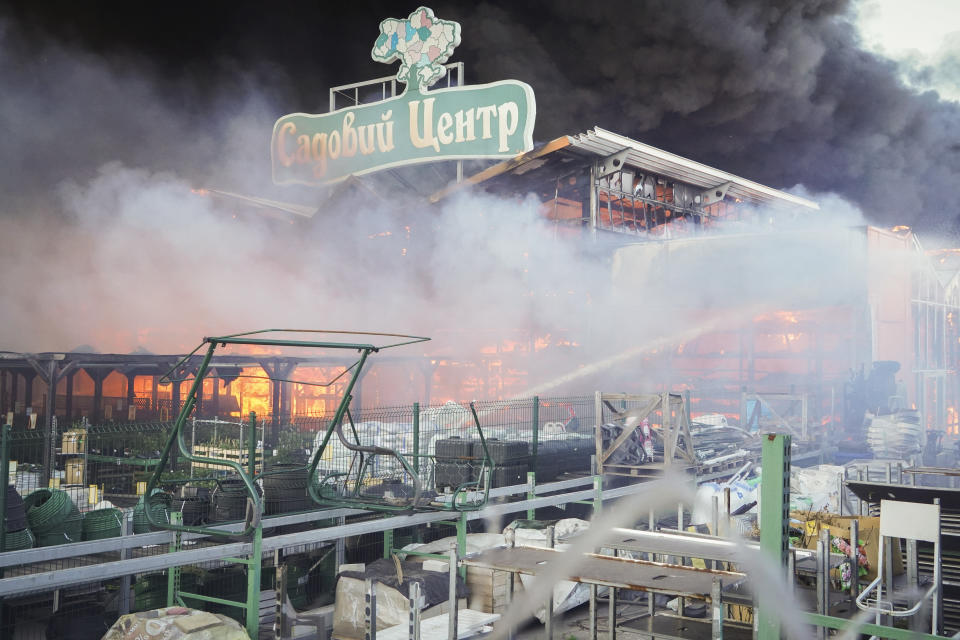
(387, 543)
(462, 541)
(531, 493)
(252, 446)
(536, 433)
(416, 437)
(173, 573)
(253, 583)
(417, 531)
(774, 522)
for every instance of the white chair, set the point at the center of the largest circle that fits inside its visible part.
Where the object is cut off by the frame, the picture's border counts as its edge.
(911, 521)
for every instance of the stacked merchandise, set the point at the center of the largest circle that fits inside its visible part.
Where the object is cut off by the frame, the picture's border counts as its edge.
(511, 461)
(456, 464)
(460, 461)
(158, 503)
(286, 490)
(102, 523)
(53, 517)
(16, 533)
(896, 436)
(229, 500)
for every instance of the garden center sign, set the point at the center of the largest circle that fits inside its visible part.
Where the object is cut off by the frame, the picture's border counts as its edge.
(479, 121)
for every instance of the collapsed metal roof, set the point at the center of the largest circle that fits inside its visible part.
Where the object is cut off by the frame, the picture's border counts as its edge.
(569, 153)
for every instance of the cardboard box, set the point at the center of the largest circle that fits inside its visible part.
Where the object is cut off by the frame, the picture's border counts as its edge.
(840, 526)
(74, 473)
(74, 441)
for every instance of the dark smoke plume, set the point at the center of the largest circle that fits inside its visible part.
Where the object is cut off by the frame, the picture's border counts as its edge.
(780, 92)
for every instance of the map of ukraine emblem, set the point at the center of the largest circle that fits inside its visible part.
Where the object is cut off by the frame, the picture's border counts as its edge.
(422, 43)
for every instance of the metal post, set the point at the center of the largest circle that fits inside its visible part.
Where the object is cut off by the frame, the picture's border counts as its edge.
(774, 522)
(387, 543)
(414, 629)
(716, 605)
(548, 622)
(936, 614)
(452, 619)
(49, 453)
(535, 442)
(726, 509)
(341, 550)
(651, 601)
(173, 573)
(531, 493)
(416, 438)
(593, 612)
(123, 601)
(462, 540)
(594, 207)
(854, 560)
(511, 538)
(252, 445)
(612, 612)
(253, 583)
(912, 576)
(5, 474)
(679, 516)
(281, 587)
(823, 579)
(370, 610)
(597, 495)
(714, 523)
(887, 552)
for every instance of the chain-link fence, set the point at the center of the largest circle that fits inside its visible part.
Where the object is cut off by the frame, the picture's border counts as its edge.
(377, 452)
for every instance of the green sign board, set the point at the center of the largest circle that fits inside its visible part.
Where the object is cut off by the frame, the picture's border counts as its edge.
(478, 121)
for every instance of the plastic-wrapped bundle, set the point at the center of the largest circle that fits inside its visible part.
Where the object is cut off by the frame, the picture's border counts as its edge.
(102, 523)
(159, 505)
(53, 517)
(896, 436)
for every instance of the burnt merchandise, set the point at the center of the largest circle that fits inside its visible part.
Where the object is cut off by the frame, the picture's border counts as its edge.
(503, 452)
(508, 475)
(455, 448)
(454, 474)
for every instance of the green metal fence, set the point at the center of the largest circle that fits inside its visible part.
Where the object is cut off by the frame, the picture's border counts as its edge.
(558, 433)
(115, 457)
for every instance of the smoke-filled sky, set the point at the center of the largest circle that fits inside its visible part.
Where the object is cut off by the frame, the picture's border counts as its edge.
(111, 113)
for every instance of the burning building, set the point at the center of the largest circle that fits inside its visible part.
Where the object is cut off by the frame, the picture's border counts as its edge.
(735, 286)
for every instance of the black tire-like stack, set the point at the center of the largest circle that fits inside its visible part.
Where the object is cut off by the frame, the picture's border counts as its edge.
(16, 534)
(459, 461)
(510, 458)
(229, 501)
(159, 505)
(455, 462)
(194, 509)
(286, 491)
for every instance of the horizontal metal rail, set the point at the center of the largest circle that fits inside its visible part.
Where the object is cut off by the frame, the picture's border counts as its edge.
(77, 549)
(880, 631)
(49, 580)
